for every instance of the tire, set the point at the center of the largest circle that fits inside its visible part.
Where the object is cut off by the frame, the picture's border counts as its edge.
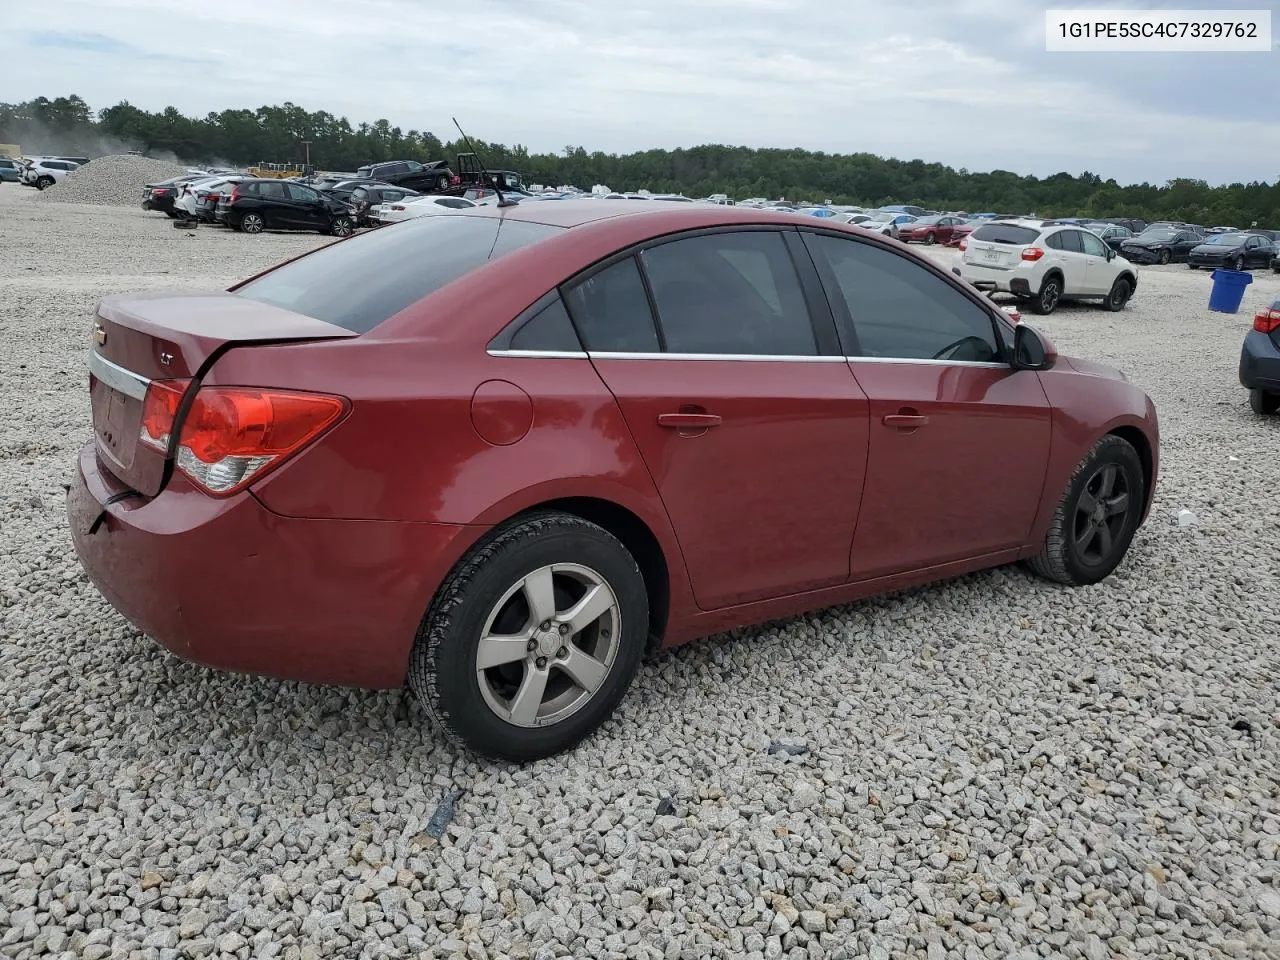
(171, 214)
(1120, 293)
(1239, 264)
(252, 223)
(340, 227)
(1062, 558)
(930, 239)
(1049, 296)
(442, 183)
(1263, 402)
(44, 183)
(1165, 257)
(1193, 266)
(485, 593)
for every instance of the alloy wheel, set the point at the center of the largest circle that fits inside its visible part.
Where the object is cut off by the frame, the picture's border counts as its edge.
(1100, 514)
(548, 645)
(1239, 264)
(252, 223)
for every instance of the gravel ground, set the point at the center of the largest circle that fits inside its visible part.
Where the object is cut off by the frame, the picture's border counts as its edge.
(994, 767)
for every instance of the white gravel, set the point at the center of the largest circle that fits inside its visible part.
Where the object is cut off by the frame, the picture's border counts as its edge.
(994, 767)
(111, 181)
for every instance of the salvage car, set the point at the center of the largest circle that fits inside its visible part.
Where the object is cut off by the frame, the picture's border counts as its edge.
(366, 196)
(44, 172)
(929, 230)
(257, 205)
(412, 175)
(160, 196)
(1160, 245)
(1045, 263)
(1260, 361)
(1237, 251)
(1112, 234)
(413, 207)
(507, 512)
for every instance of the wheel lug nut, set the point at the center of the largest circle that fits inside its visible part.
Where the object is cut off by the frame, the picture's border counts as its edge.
(562, 652)
(542, 662)
(533, 645)
(564, 628)
(546, 625)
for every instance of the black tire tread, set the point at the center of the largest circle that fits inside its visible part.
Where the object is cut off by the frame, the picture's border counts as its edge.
(434, 628)
(1051, 562)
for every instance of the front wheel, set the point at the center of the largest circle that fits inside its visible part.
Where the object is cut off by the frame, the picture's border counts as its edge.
(252, 223)
(533, 639)
(44, 183)
(1120, 293)
(442, 183)
(1165, 257)
(1097, 516)
(1047, 299)
(1239, 264)
(1263, 402)
(930, 239)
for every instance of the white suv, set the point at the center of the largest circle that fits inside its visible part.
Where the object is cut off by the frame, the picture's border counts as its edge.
(1044, 263)
(41, 173)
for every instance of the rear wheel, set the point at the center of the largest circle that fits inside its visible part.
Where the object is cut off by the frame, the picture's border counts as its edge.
(533, 638)
(44, 183)
(341, 227)
(930, 238)
(1193, 266)
(1239, 263)
(1097, 516)
(1120, 293)
(1050, 293)
(252, 223)
(442, 183)
(1263, 402)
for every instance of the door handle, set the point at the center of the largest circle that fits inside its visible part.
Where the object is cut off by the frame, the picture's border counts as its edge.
(688, 421)
(904, 421)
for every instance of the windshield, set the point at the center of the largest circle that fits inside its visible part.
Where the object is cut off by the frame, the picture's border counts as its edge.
(1158, 235)
(882, 217)
(415, 259)
(1227, 239)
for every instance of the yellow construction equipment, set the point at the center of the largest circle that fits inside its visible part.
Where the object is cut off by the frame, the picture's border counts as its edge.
(276, 171)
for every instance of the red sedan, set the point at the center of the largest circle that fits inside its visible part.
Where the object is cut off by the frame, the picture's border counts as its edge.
(552, 436)
(930, 230)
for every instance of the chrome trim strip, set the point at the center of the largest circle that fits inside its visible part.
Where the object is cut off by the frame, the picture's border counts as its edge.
(756, 357)
(117, 377)
(544, 354)
(929, 362)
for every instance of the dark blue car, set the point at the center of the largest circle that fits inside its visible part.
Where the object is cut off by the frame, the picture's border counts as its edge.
(1260, 361)
(9, 170)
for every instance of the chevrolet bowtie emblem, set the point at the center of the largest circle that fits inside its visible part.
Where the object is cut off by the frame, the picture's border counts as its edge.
(99, 334)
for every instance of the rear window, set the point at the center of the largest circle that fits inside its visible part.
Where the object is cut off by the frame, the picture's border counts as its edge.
(405, 262)
(1005, 233)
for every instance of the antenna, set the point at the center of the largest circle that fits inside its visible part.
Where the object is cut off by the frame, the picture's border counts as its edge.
(502, 201)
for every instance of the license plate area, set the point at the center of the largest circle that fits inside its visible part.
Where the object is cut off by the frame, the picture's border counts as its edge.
(116, 421)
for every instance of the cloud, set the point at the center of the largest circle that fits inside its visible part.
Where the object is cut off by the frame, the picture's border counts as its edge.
(963, 82)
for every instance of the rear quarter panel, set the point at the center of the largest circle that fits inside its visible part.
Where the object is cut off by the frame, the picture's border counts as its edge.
(1085, 408)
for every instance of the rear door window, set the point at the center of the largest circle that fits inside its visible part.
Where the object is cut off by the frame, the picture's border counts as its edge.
(271, 190)
(417, 258)
(611, 310)
(730, 293)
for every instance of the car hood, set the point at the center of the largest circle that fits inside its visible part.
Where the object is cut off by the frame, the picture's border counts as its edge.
(1145, 242)
(1093, 368)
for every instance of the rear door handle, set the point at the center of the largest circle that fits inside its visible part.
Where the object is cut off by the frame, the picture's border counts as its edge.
(688, 421)
(906, 421)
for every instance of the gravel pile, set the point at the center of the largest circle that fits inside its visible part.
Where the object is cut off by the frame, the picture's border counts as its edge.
(990, 768)
(111, 181)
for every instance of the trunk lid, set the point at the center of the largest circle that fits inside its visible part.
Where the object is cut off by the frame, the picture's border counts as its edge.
(983, 253)
(169, 336)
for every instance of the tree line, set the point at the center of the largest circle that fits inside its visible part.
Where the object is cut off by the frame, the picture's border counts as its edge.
(242, 137)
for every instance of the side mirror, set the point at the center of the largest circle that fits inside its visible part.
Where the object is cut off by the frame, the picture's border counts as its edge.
(1032, 350)
(1111, 254)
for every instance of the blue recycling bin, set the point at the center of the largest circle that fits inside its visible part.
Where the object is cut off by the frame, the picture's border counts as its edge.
(1228, 290)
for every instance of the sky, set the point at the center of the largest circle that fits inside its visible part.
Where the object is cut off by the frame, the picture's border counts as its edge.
(962, 82)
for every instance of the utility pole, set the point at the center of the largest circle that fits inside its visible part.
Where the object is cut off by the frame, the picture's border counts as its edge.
(306, 145)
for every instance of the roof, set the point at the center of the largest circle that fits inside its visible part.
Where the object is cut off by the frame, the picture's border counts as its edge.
(665, 216)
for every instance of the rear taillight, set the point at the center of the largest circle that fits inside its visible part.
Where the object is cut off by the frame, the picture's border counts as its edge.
(455, 180)
(159, 409)
(234, 196)
(1032, 253)
(1267, 321)
(233, 435)
(397, 207)
(158, 192)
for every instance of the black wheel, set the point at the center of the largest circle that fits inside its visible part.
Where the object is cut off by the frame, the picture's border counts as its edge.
(1096, 517)
(930, 239)
(172, 215)
(1047, 299)
(1120, 293)
(44, 183)
(1239, 263)
(252, 223)
(442, 183)
(533, 638)
(1193, 266)
(1262, 402)
(1165, 257)
(340, 227)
